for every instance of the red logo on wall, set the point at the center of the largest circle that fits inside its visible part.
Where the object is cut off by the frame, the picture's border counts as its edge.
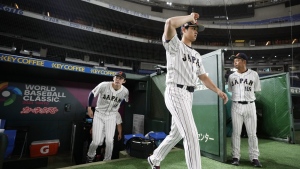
(39, 110)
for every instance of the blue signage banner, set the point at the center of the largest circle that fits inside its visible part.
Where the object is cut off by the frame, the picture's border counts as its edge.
(10, 9)
(53, 65)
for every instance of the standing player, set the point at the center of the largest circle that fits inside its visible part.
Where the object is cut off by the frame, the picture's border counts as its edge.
(243, 83)
(184, 67)
(110, 95)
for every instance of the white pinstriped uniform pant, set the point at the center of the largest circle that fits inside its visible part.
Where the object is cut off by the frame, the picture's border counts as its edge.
(244, 113)
(179, 103)
(102, 123)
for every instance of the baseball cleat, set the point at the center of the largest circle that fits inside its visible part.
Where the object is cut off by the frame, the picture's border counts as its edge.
(235, 161)
(256, 163)
(89, 159)
(152, 165)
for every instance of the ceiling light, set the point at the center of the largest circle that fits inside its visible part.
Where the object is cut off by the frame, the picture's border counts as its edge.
(267, 43)
(263, 57)
(275, 56)
(48, 13)
(295, 40)
(16, 5)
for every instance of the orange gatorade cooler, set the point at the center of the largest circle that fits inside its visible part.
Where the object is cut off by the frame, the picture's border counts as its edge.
(44, 148)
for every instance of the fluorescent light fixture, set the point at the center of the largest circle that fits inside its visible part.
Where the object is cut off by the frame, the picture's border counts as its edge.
(295, 40)
(239, 41)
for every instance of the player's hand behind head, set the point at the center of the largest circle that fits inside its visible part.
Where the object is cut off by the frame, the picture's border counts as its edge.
(195, 16)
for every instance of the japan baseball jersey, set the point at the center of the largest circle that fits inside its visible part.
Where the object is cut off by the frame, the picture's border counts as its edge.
(108, 98)
(243, 85)
(184, 63)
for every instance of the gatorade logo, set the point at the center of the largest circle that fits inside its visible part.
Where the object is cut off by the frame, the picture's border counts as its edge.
(44, 149)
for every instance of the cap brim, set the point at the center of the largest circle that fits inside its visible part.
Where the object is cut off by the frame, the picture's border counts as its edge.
(238, 57)
(120, 76)
(200, 27)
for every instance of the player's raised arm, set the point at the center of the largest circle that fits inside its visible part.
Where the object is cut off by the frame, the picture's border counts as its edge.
(177, 21)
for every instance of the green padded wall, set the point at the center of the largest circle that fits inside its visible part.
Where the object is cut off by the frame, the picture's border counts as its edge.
(275, 102)
(208, 110)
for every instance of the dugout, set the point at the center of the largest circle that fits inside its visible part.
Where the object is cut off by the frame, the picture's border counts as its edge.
(49, 97)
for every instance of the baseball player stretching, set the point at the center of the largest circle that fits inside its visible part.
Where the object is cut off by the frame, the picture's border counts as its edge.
(243, 83)
(110, 95)
(184, 67)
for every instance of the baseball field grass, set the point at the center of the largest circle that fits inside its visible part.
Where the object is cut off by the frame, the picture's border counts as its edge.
(273, 154)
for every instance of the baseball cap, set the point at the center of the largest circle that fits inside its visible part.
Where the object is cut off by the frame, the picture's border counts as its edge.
(241, 56)
(190, 24)
(121, 74)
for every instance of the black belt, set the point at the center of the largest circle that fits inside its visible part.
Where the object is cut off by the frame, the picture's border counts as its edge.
(243, 102)
(188, 88)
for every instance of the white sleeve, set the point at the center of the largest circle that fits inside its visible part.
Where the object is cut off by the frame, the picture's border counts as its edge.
(127, 96)
(257, 86)
(229, 84)
(201, 69)
(171, 45)
(97, 89)
(118, 118)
